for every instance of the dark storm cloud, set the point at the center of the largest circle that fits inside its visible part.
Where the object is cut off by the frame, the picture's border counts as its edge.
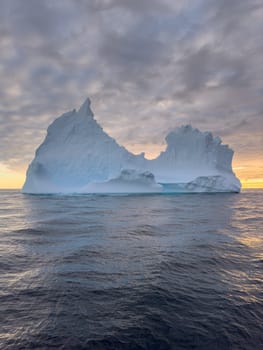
(148, 66)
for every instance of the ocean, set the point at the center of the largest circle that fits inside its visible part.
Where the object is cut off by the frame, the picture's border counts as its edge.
(131, 271)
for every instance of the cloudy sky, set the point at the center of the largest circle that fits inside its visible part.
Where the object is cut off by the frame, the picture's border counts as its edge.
(147, 65)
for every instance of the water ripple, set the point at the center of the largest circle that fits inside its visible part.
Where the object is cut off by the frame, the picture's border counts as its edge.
(131, 272)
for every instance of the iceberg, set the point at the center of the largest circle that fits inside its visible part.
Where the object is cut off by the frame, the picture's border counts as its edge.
(129, 181)
(78, 156)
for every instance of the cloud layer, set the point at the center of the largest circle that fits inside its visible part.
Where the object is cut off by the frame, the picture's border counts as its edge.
(147, 65)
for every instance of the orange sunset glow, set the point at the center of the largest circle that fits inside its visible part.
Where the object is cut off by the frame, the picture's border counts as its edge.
(248, 171)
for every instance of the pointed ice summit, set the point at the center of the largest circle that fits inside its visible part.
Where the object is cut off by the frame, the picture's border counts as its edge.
(77, 156)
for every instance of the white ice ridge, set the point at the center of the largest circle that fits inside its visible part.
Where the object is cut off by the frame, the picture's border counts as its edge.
(77, 156)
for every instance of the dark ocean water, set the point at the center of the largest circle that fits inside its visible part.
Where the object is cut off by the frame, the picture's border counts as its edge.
(131, 272)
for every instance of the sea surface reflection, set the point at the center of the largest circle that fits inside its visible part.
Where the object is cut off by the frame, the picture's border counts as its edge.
(131, 272)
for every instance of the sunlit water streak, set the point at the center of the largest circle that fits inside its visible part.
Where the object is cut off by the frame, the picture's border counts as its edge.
(131, 272)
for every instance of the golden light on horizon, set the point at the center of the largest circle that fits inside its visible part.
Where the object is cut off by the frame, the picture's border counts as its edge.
(11, 179)
(249, 171)
(252, 183)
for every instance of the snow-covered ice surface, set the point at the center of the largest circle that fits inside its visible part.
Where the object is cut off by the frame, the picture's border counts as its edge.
(77, 156)
(129, 181)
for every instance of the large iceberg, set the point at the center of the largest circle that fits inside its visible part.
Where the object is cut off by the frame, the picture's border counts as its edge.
(77, 156)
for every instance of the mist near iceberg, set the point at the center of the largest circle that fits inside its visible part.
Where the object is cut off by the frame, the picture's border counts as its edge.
(77, 156)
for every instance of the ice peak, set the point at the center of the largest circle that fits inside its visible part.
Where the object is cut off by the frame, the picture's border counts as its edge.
(184, 129)
(85, 109)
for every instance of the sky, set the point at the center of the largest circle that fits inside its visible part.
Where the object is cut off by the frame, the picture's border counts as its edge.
(148, 66)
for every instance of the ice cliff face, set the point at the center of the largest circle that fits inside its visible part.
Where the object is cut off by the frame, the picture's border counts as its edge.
(78, 156)
(76, 151)
(191, 153)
